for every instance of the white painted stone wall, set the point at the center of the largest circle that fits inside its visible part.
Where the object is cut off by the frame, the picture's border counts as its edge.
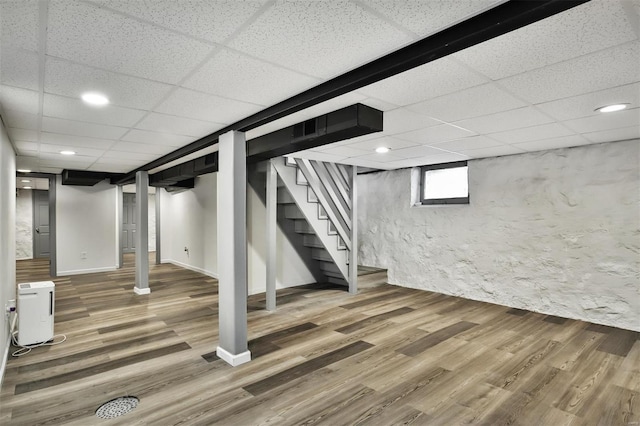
(555, 232)
(24, 224)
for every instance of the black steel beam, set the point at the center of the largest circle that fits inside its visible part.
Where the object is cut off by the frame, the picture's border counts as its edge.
(345, 123)
(492, 23)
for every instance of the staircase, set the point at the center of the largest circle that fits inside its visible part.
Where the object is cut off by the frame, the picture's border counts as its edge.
(317, 197)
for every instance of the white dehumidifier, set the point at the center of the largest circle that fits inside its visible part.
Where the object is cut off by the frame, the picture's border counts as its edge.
(35, 312)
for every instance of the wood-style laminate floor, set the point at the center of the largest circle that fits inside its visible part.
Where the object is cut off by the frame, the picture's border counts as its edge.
(388, 355)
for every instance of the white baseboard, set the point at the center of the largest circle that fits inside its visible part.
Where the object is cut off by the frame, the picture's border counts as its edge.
(192, 268)
(5, 356)
(87, 271)
(233, 360)
(141, 291)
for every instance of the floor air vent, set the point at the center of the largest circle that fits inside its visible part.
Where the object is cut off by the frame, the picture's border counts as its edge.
(117, 407)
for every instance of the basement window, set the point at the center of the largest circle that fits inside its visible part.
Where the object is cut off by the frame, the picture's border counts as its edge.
(444, 183)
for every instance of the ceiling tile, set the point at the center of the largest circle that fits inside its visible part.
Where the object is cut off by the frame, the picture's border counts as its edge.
(20, 120)
(507, 120)
(428, 81)
(80, 128)
(187, 103)
(72, 80)
(81, 151)
(614, 135)
(585, 105)
(563, 142)
(61, 139)
(318, 156)
(608, 68)
(380, 158)
(544, 131)
(302, 35)
(126, 163)
(417, 151)
(378, 104)
(52, 170)
(584, 29)
(209, 20)
(77, 163)
(57, 157)
(386, 141)
(19, 68)
(109, 168)
(121, 155)
(177, 125)
(141, 148)
(445, 157)
(75, 109)
(22, 135)
(144, 136)
(472, 142)
(233, 75)
(23, 146)
(20, 99)
(365, 163)
(600, 121)
(494, 151)
(428, 17)
(469, 103)
(403, 120)
(19, 23)
(341, 151)
(94, 36)
(435, 134)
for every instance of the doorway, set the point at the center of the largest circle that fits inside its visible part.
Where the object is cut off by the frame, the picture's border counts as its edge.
(128, 223)
(41, 234)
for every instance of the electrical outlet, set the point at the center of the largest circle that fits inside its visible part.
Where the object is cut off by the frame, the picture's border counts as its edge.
(83, 255)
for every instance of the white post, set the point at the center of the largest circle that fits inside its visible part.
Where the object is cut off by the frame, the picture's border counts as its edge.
(232, 249)
(142, 233)
(272, 212)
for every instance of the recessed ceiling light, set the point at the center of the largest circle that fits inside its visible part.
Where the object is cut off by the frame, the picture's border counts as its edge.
(26, 187)
(68, 152)
(93, 98)
(382, 149)
(25, 181)
(24, 171)
(612, 108)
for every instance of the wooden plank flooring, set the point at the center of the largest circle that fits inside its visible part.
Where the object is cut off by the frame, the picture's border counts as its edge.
(388, 355)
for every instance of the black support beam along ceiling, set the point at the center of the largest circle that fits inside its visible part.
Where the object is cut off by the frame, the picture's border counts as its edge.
(504, 18)
(345, 123)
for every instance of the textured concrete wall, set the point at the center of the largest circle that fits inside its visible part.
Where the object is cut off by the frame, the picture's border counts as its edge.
(556, 232)
(24, 224)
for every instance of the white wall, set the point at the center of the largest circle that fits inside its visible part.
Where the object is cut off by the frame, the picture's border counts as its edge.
(24, 224)
(86, 223)
(7, 238)
(189, 219)
(556, 232)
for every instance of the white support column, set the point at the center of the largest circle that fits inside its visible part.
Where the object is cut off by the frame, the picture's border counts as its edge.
(353, 259)
(158, 228)
(119, 225)
(142, 233)
(272, 212)
(232, 249)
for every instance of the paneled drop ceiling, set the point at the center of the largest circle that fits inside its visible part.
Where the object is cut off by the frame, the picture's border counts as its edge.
(175, 71)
